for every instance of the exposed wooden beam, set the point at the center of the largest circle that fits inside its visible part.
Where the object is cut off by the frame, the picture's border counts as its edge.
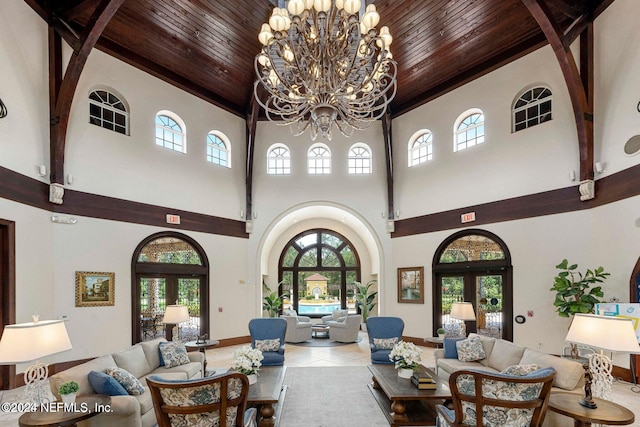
(388, 152)
(252, 120)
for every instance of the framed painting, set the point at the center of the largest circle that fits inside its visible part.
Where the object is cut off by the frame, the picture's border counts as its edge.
(411, 285)
(94, 289)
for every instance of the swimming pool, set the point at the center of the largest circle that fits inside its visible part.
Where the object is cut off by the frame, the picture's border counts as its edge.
(318, 308)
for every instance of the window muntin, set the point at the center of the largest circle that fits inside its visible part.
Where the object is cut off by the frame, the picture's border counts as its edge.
(170, 133)
(278, 160)
(359, 160)
(420, 148)
(218, 150)
(472, 247)
(319, 160)
(169, 250)
(469, 131)
(108, 111)
(532, 108)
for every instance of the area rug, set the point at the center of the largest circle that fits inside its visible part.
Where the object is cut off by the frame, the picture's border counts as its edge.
(330, 397)
(323, 342)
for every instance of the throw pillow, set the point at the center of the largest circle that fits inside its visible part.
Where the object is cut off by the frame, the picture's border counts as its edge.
(105, 384)
(520, 370)
(337, 315)
(450, 348)
(268, 345)
(173, 354)
(470, 350)
(131, 384)
(385, 343)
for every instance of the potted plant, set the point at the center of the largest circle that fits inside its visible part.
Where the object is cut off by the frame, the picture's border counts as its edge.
(272, 302)
(68, 391)
(575, 292)
(441, 332)
(406, 356)
(365, 300)
(247, 360)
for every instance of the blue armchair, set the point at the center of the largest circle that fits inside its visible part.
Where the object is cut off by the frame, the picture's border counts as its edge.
(383, 328)
(265, 330)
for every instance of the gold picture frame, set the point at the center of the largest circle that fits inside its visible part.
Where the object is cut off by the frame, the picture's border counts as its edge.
(411, 285)
(94, 289)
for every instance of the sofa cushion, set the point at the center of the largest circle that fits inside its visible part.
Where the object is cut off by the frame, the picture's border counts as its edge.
(451, 365)
(173, 354)
(80, 374)
(152, 352)
(133, 360)
(106, 384)
(519, 370)
(385, 343)
(127, 380)
(487, 345)
(268, 345)
(569, 374)
(505, 354)
(450, 348)
(470, 350)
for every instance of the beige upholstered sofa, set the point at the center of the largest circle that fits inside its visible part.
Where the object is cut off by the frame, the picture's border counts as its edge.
(141, 360)
(501, 354)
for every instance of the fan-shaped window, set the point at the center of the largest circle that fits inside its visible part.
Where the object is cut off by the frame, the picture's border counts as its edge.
(171, 132)
(317, 271)
(420, 147)
(531, 108)
(469, 130)
(359, 159)
(278, 160)
(319, 160)
(218, 149)
(108, 111)
(471, 247)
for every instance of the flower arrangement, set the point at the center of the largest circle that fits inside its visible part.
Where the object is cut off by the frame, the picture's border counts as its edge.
(405, 355)
(247, 360)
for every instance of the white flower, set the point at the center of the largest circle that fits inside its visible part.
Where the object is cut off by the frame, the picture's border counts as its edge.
(247, 360)
(405, 355)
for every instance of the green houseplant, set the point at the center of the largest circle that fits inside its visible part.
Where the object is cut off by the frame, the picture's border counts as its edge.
(68, 391)
(272, 302)
(365, 299)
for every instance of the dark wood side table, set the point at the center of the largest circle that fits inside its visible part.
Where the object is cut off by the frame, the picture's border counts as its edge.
(436, 342)
(607, 412)
(202, 347)
(56, 416)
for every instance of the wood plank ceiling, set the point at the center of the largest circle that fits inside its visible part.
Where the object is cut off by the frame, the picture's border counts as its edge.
(207, 47)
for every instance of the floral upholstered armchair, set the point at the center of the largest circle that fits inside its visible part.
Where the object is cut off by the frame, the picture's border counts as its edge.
(219, 400)
(496, 400)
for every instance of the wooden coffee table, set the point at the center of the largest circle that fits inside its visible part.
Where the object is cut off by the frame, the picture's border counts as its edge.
(267, 395)
(85, 407)
(403, 403)
(607, 412)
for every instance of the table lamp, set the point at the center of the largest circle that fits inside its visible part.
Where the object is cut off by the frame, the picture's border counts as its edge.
(174, 315)
(463, 311)
(615, 334)
(26, 342)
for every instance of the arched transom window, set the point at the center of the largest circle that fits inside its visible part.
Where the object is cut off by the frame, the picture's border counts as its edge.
(359, 159)
(319, 160)
(420, 147)
(469, 130)
(218, 149)
(171, 132)
(278, 160)
(108, 111)
(531, 108)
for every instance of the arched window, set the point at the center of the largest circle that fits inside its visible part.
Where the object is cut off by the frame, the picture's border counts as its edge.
(420, 147)
(319, 160)
(218, 149)
(469, 130)
(475, 266)
(317, 269)
(531, 108)
(278, 160)
(359, 159)
(169, 267)
(171, 132)
(108, 111)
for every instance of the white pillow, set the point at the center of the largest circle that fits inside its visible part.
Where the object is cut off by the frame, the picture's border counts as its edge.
(385, 343)
(268, 345)
(470, 350)
(173, 354)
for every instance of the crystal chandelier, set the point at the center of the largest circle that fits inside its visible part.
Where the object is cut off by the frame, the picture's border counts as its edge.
(322, 66)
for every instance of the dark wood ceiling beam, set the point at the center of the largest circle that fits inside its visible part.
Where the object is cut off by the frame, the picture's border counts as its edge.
(579, 92)
(64, 94)
(252, 121)
(388, 154)
(574, 31)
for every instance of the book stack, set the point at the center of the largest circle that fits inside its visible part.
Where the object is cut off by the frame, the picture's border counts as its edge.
(423, 381)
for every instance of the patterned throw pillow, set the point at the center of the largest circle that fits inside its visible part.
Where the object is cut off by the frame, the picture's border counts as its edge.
(520, 370)
(127, 380)
(173, 354)
(470, 350)
(268, 345)
(385, 343)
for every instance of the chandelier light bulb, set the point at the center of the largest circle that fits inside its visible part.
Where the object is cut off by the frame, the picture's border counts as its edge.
(322, 5)
(351, 6)
(296, 7)
(371, 17)
(265, 34)
(384, 37)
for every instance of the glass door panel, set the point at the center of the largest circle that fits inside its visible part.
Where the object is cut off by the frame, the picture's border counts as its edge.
(451, 290)
(189, 295)
(488, 303)
(152, 305)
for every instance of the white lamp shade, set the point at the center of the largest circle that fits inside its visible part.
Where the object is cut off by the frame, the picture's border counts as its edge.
(26, 342)
(176, 314)
(462, 311)
(606, 332)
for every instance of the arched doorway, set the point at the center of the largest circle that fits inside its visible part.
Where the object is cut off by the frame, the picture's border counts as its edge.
(317, 270)
(475, 266)
(167, 267)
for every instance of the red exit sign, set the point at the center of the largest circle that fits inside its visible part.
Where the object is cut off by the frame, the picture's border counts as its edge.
(173, 219)
(468, 217)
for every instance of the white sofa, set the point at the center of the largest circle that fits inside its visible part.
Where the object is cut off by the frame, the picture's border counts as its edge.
(141, 360)
(501, 354)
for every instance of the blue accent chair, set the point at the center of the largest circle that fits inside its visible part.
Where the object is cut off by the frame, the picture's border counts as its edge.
(269, 328)
(383, 327)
